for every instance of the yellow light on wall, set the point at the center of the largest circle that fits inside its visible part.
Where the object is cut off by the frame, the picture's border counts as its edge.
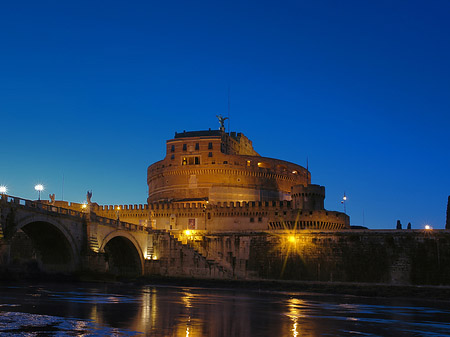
(187, 232)
(292, 239)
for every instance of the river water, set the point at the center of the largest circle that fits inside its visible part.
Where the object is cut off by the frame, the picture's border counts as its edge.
(126, 310)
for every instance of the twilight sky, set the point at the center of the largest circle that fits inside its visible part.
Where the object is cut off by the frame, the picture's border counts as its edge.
(91, 90)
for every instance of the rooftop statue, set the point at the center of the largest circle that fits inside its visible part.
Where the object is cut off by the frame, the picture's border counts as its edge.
(222, 121)
(88, 196)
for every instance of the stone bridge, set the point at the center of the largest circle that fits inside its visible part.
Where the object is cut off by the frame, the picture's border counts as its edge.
(40, 236)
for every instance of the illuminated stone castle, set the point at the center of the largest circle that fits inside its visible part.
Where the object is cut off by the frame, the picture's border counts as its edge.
(215, 181)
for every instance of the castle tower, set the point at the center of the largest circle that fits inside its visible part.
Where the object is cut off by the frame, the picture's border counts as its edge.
(310, 197)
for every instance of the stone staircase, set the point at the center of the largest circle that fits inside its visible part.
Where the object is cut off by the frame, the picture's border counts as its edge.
(195, 248)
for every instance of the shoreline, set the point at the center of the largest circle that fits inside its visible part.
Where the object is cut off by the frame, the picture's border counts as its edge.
(437, 292)
(331, 288)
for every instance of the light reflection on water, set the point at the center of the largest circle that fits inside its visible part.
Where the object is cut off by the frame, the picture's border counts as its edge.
(126, 310)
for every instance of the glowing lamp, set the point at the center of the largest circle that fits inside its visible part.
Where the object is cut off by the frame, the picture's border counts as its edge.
(3, 189)
(39, 188)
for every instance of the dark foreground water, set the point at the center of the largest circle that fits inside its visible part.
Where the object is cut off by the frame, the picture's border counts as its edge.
(125, 310)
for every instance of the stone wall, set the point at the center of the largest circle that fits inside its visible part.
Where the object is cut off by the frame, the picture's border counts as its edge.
(389, 257)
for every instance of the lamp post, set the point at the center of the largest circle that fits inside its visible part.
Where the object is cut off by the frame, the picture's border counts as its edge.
(3, 191)
(39, 188)
(117, 212)
(344, 199)
(205, 210)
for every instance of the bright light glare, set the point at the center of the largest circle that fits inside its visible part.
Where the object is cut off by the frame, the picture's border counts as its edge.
(292, 238)
(39, 187)
(187, 232)
(428, 227)
(3, 189)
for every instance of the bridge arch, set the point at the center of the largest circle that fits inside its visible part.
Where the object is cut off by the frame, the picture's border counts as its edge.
(124, 253)
(53, 242)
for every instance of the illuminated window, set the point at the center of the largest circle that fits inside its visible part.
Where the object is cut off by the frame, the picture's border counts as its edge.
(248, 162)
(194, 160)
(263, 165)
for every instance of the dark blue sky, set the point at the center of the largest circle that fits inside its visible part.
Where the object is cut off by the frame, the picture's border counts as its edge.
(90, 90)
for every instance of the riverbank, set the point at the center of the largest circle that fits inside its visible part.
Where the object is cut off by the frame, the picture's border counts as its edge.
(338, 288)
(33, 275)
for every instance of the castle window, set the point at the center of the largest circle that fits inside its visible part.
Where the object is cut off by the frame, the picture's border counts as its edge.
(210, 154)
(197, 146)
(252, 219)
(225, 162)
(172, 148)
(184, 147)
(194, 160)
(210, 146)
(172, 156)
(248, 162)
(259, 219)
(263, 165)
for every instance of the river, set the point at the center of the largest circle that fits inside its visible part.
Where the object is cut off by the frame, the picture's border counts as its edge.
(126, 310)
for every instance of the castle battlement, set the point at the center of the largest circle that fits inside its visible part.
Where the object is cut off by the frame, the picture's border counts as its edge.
(134, 207)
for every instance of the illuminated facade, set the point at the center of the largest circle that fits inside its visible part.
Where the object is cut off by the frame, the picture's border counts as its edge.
(215, 181)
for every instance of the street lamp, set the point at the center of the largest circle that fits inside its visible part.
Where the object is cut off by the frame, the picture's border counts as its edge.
(117, 212)
(344, 199)
(205, 210)
(3, 189)
(39, 188)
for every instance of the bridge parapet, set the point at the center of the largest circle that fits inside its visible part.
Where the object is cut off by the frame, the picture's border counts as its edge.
(116, 223)
(40, 206)
(37, 205)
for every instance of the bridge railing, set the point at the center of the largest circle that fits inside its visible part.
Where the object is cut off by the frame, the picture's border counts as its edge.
(119, 224)
(41, 206)
(66, 211)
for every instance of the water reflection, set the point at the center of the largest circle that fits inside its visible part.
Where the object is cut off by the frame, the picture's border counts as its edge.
(294, 314)
(169, 311)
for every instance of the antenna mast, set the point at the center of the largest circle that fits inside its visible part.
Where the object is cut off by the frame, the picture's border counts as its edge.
(229, 130)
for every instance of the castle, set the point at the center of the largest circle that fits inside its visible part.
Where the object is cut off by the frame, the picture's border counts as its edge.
(212, 180)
